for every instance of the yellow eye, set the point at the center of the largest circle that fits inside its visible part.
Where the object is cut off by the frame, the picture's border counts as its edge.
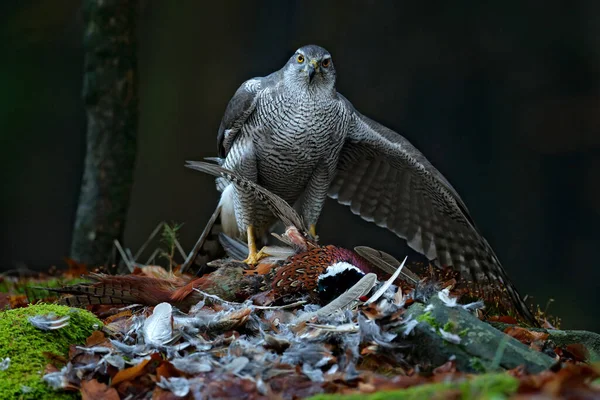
(300, 58)
(325, 63)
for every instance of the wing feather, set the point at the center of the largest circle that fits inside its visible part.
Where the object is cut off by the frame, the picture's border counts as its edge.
(239, 109)
(385, 179)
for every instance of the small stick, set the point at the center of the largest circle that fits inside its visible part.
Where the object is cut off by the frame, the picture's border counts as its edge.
(192, 256)
(152, 256)
(147, 242)
(123, 255)
(217, 298)
(291, 305)
(130, 256)
(178, 245)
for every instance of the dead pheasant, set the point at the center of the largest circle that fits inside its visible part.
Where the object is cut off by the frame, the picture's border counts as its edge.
(228, 283)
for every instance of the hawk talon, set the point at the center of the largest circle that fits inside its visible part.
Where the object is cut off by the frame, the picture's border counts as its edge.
(255, 257)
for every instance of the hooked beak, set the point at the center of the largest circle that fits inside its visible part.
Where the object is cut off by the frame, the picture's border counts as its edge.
(312, 68)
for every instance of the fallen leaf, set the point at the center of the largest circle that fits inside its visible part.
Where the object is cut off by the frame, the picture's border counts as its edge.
(75, 268)
(128, 374)
(55, 359)
(525, 336)
(504, 319)
(119, 315)
(92, 389)
(579, 352)
(95, 339)
(167, 370)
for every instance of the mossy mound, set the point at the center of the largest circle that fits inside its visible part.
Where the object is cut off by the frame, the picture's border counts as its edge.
(488, 386)
(26, 345)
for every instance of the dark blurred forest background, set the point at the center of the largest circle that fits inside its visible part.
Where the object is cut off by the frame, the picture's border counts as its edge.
(502, 97)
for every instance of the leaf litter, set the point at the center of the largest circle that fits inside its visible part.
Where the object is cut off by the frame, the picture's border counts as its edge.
(225, 349)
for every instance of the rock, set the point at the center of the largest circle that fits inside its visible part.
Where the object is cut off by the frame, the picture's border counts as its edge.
(590, 340)
(445, 333)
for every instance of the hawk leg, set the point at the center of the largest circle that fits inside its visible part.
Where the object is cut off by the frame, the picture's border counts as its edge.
(253, 256)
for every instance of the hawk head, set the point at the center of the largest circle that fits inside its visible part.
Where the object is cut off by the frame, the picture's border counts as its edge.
(311, 67)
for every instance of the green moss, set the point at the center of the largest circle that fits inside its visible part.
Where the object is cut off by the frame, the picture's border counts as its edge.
(477, 365)
(496, 386)
(26, 345)
(428, 319)
(449, 326)
(463, 333)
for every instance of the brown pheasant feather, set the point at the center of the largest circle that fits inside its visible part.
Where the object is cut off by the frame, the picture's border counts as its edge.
(300, 272)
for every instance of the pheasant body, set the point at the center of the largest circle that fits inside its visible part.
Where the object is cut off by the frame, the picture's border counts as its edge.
(311, 272)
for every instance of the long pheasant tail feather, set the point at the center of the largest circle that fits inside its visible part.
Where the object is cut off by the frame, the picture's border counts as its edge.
(279, 207)
(386, 262)
(126, 289)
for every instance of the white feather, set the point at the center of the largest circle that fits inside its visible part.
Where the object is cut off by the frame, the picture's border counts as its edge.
(158, 328)
(227, 204)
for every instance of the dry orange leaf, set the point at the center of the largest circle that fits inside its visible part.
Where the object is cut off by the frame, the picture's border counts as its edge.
(507, 319)
(579, 351)
(167, 370)
(76, 269)
(128, 374)
(91, 390)
(525, 336)
(95, 339)
(122, 314)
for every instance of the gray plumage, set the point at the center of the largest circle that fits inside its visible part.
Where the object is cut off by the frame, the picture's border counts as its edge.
(295, 135)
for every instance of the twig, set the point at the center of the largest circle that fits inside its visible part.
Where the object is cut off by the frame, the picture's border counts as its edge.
(153, 256)
(130, 256)
(291, 305)
(178, 245)
(147, 242)
(351, 327)
(123, 255)
(192, 256)
(217, 298)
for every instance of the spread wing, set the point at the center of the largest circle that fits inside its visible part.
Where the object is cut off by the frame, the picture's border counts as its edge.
(240, 107)
(386, 180)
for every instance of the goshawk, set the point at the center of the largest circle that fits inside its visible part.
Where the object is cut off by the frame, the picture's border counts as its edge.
(295, 135)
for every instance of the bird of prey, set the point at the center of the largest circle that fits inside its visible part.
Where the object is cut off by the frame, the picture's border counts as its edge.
(295, 135)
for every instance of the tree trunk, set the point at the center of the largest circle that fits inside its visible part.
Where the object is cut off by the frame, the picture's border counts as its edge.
(111, 99)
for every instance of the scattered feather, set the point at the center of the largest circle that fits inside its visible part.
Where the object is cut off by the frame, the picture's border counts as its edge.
(237, 365)
(371, 332)
(58, 380)
(386, 262)
(387, 284)
(180, 387)
(158, 328)
(194, 363)
(115, 360)
(409, 325)
(360, 289)
(476, 305)
(5, 364)
(444, 296)
(314, 374)
(49, 321)
(449, 337)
